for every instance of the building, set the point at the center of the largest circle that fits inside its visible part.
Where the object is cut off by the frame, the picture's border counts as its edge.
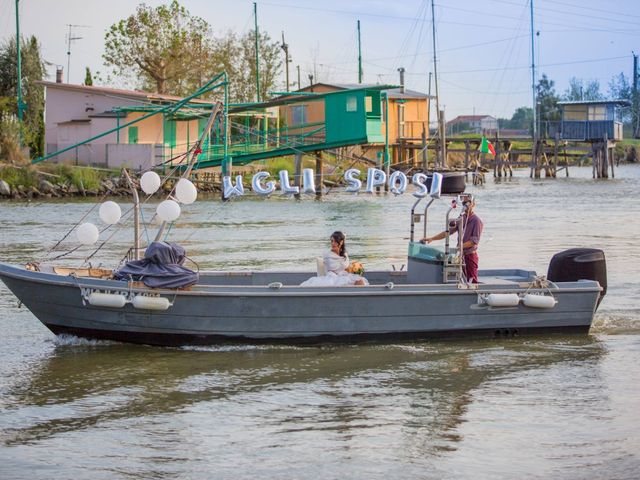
(75, 113)
(477, 124)
(407, 122)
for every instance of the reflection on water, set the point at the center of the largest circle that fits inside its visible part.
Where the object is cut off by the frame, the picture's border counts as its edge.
(548, 407)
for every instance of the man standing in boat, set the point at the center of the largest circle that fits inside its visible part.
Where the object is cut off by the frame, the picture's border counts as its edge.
(471, 225)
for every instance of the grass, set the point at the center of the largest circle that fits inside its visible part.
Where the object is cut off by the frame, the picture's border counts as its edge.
(14, 176)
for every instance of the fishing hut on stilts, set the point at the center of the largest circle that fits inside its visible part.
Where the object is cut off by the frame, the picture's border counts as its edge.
(595, 123)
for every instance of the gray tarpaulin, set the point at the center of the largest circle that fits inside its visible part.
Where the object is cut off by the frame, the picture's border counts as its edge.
(161, 267)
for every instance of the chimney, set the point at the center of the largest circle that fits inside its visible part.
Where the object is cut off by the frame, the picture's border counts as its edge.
(401, 70)
(58, 74)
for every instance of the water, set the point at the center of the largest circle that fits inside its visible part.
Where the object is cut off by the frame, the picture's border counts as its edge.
(542, 407)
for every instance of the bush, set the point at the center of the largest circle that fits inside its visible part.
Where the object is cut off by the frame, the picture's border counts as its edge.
(81, 177)
(10, 140)
(14, 176)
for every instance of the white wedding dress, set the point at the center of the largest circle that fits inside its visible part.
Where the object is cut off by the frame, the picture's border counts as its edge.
(337, 275)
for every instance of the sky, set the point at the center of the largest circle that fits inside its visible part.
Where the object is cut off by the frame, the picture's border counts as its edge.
(483, 47)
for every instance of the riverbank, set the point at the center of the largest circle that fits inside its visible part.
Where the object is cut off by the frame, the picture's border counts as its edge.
(59, 181)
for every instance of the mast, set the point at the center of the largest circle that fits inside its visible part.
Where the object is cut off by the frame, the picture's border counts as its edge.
(285, 47)
(255, 16)
(533, 81)
(19, 64)
(359, 56)
(435, 78)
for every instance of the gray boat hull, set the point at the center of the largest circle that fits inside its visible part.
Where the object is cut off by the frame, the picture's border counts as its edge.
(251, 308)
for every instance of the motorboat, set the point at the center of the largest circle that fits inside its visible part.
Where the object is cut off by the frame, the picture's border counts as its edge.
(430, 299)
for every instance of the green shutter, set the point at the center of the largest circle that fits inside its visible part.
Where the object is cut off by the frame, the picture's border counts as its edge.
(133, 134)
(169, 133)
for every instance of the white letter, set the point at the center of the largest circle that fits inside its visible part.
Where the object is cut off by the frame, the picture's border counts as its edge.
(395, 187)
(375, 178)
(308, 181)
(419, 180)
(257, 187)
(229, 189)
(284, 184)
(354, 184)
(436, 185)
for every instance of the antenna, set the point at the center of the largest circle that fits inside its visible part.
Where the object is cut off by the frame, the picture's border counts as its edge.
(285, 47)
(71, 38)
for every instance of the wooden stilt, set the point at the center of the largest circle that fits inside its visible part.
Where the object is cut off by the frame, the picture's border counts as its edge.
(297, 175)
(319, 175)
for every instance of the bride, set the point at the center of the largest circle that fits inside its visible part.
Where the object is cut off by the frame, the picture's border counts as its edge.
(336, 262)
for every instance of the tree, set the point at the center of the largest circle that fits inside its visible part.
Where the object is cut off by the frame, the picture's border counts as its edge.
(547, 100)
(88, 79)
(33, 71)
(270, 63)
(170, 51)
(621, 89)
(579, 90)
(522, 119)
(165, 47)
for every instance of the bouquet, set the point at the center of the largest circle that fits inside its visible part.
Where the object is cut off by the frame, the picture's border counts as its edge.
(356, 268)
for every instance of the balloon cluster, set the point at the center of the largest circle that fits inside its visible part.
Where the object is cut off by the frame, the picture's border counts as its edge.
(168, 210)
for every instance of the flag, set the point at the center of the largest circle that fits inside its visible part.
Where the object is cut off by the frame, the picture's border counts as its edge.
(487, 147)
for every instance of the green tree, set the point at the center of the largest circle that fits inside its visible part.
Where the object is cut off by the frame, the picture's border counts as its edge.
(522, 119)
(33, 71)
(270, 63)
(621, 89)
(547, 100)
(165, 47)
(88, 79)
(581, 90)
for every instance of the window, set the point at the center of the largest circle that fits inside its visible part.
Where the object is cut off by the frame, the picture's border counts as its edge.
(368, 104)
(298, 114)
(352, 104)
(133, 134)
(597, 112)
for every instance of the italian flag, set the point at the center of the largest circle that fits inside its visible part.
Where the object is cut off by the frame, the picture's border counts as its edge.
(487, 147)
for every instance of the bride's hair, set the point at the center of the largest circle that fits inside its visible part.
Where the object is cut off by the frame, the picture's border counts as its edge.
(340, 240)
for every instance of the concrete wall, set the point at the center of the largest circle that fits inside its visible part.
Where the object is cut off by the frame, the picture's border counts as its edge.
(110, 155)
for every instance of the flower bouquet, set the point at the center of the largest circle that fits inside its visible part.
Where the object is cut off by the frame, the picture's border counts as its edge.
(356, 268)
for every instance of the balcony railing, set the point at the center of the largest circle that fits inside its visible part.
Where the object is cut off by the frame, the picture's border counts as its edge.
(582, 130)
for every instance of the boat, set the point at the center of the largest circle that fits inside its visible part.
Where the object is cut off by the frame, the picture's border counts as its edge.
(430, 299)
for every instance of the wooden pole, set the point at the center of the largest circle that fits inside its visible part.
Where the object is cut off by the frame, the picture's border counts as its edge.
(467, 149)
(319, 175)
(297, 174)
(425, 164)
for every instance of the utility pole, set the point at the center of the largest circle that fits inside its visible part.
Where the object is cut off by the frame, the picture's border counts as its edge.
(359, 56)
(285, 47)
(71, 38)
(635, 101)
(299, 86)
(255, 16)
(21, 105)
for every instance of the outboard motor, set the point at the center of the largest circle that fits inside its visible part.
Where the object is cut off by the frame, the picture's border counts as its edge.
(579, 264)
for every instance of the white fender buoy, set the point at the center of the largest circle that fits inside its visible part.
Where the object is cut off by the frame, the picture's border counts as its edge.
(144, 302)
(538, 301)
(111, 300)
(502, 299)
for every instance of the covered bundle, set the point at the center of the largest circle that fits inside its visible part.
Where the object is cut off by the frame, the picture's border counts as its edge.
(161, 267)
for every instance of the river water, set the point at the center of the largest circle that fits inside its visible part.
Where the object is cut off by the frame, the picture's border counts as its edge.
(563, 407)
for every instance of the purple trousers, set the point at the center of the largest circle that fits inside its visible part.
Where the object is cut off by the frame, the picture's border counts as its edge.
(471, 267)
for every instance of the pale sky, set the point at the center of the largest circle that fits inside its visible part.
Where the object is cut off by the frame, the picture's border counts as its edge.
(483, 46)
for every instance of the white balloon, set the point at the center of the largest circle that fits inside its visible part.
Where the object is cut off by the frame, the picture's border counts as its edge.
(419, 180)
(87, 234)
(354, 183)
(168, 211)
(285, 186)
(375, 178)
(150, 182)
(110, 212)
(256, 184)
(397, 182)
(186, 191)
(308, 181)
